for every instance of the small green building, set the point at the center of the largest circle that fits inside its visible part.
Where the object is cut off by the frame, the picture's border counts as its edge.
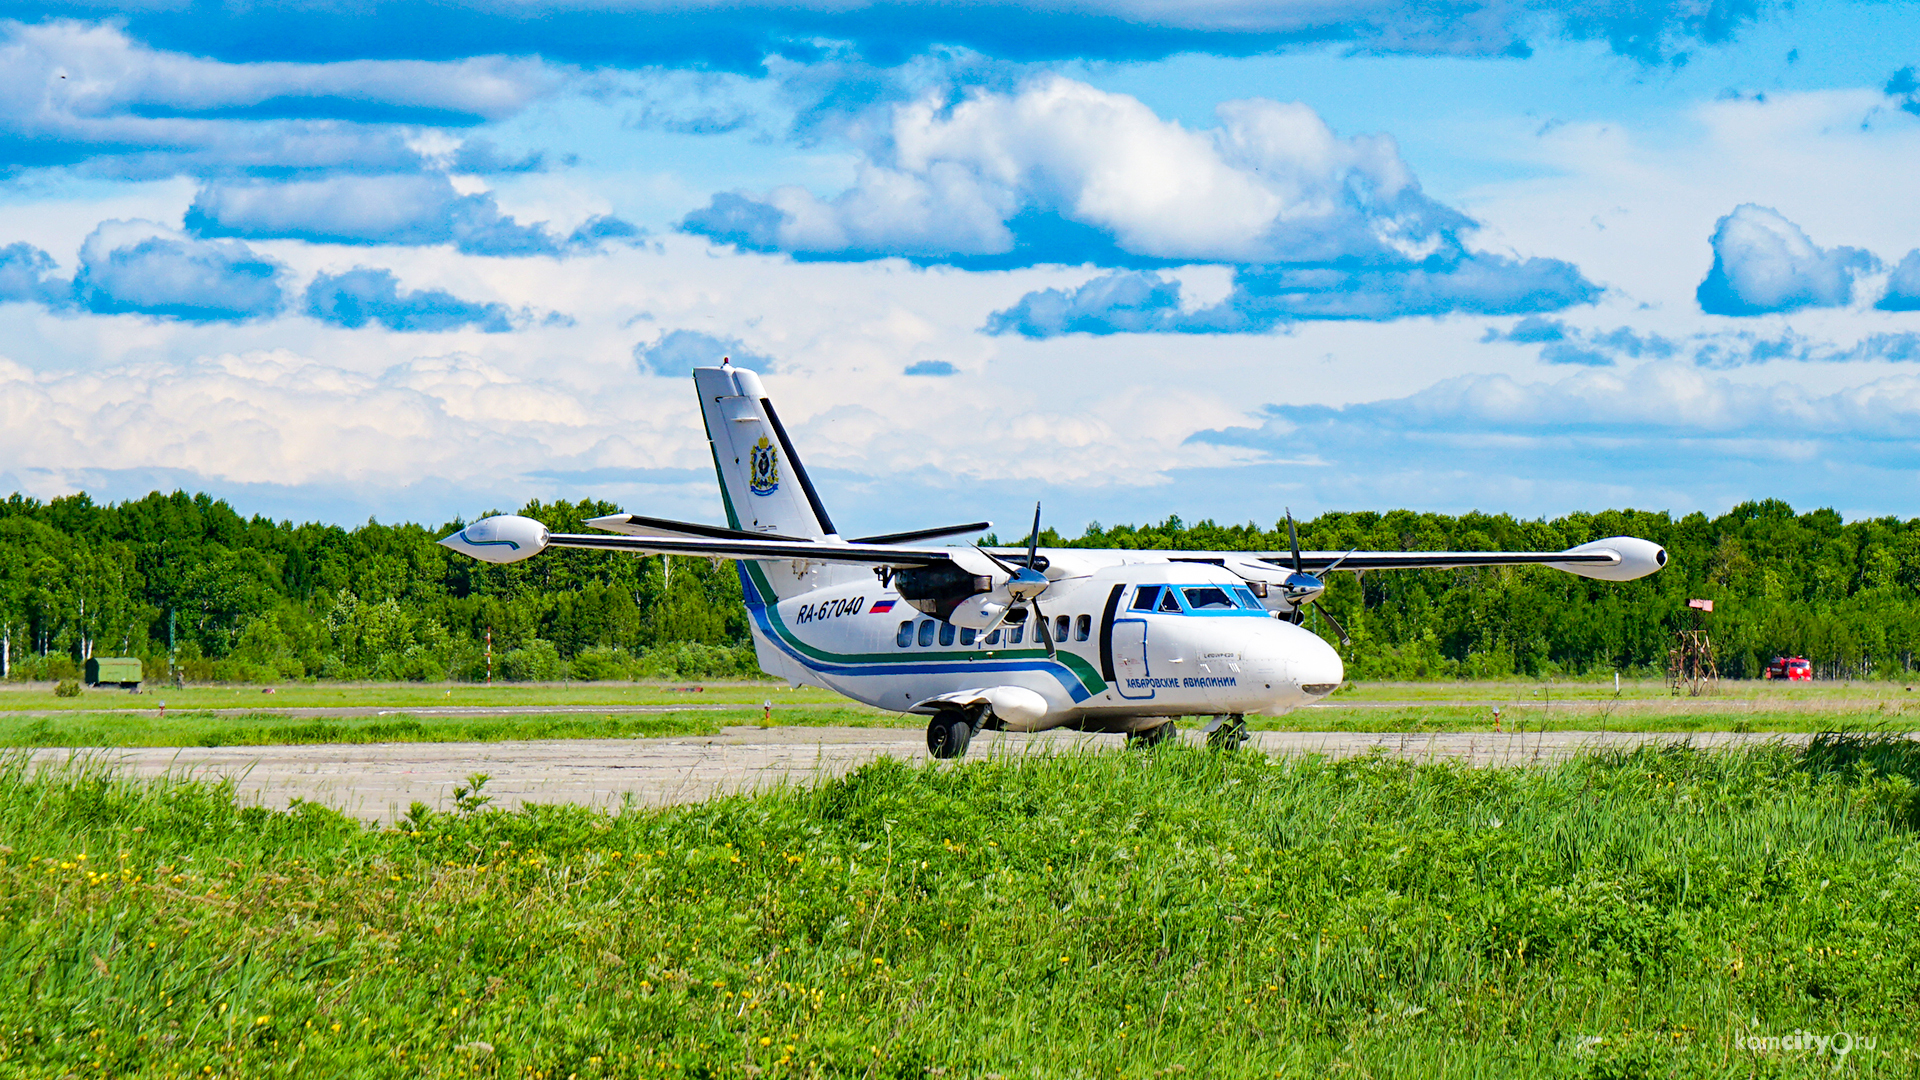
(109, 670)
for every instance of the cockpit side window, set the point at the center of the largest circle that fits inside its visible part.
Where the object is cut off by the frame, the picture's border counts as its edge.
(1208, 598)
(1144, 597)
(1169, 604)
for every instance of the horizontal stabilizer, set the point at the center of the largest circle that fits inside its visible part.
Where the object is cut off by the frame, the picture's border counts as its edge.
(915, 536)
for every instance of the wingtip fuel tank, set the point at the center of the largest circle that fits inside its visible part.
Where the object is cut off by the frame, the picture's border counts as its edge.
(1637, 559)
(506, 538)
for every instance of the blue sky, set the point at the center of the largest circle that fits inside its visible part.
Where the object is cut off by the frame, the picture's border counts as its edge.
(414, 261)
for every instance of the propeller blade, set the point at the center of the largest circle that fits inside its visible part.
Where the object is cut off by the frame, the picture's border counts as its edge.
(1033, 538)
(1337, 628)
(1046, 634)
(980, 639)
(997, 560)
(1293, 541)
(1322, 575)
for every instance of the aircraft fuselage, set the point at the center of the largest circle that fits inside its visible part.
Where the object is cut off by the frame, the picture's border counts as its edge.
(1141, 642)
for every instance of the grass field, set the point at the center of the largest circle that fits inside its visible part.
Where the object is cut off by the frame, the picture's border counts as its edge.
(39, 697)
(346, 713)
(1137, 914)
(351, 713)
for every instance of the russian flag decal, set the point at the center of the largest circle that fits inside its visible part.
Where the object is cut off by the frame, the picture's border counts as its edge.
(881, 607)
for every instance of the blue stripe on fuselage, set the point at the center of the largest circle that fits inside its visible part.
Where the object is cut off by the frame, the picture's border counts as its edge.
(757, 607)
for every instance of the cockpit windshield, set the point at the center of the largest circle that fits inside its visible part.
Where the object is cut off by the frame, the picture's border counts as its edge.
(1196, 600)
(1208, 598)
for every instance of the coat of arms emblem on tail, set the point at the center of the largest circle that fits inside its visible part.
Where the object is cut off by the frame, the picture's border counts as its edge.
(765, 477)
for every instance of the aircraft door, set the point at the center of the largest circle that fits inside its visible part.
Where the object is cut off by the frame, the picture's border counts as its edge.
(1130, 658)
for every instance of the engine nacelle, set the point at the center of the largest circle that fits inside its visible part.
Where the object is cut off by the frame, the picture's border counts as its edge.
(940, 589)
(506, 538)
(1638, 558)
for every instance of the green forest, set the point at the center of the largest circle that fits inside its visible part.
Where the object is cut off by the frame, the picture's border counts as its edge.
(186, 580)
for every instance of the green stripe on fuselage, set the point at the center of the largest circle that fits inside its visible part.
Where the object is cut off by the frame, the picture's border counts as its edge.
(1082, 670)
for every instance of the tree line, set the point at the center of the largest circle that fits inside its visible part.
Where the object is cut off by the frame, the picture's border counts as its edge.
(187, 581)
(1845, 595)
(187, 584)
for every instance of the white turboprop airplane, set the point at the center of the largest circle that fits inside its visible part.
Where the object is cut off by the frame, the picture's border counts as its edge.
(1126, 640)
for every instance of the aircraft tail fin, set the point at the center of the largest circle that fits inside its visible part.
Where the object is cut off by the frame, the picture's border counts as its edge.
(762, 482)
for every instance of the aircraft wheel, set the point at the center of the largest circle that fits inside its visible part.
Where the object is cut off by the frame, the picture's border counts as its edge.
(1152, 736)
(1231, 732)
(948, 735)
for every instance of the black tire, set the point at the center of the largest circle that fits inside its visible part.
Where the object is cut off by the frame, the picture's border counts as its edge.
(1152, 737)
(948, 735)
(1229, 735)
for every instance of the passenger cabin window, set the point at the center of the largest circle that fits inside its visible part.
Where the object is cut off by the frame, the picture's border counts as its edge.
(926, 633)
(966, 635)
(1208, 598)
(946, 633)
(1016, 632)
(905, 637)
(1144, 597)
(993, 638)
(1169, 604)
(1083, 628)
(1062, 626)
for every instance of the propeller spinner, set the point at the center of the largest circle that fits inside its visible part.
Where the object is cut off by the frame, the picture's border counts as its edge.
(1024, 586)
(1302, 588)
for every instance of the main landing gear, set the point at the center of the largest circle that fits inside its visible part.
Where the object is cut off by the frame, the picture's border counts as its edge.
(1153, 736)
(948, 734)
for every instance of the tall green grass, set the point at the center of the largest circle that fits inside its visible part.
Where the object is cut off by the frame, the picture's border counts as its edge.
(1141, 914)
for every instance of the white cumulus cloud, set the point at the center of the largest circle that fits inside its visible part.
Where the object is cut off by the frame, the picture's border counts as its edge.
(1763, 263)
(1058, 170)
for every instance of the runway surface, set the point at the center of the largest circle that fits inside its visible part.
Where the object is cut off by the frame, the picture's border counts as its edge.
(378, 782)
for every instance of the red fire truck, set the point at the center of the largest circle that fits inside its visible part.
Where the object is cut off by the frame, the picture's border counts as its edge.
(1793, 668)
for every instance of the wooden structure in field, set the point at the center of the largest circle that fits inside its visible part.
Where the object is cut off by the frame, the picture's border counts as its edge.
(1690, 664)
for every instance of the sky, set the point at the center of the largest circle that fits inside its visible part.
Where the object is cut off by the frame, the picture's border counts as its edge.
(415, 262)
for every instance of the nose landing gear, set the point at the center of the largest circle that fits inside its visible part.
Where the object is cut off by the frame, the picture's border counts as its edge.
(1226, 732)
(1153, 736)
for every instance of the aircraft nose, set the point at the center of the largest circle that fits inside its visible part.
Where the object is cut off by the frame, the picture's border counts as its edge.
(1315, 667)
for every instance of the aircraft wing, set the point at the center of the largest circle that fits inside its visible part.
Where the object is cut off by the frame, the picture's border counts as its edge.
(730, 548)
(1617, 558)
(509, 538)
